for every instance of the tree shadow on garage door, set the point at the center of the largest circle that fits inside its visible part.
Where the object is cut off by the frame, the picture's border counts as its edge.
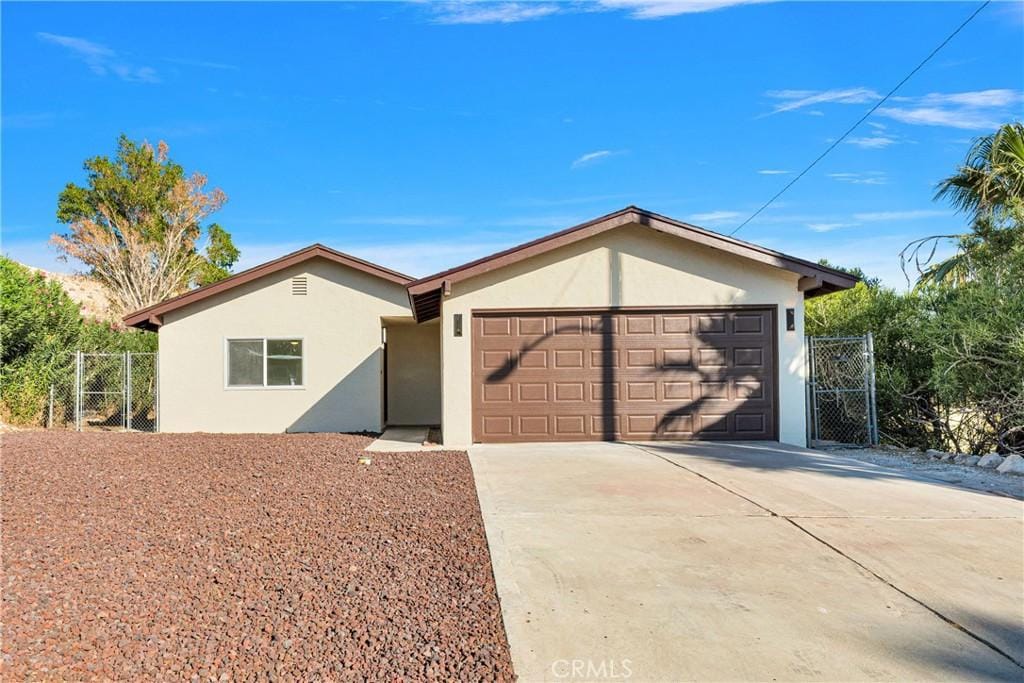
(724, 394)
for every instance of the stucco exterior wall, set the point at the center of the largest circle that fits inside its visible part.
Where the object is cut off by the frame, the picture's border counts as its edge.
(339, 321)
(629, 266)
(414, 373)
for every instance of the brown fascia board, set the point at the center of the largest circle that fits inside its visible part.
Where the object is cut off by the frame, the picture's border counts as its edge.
(150, 318)
(831, 279)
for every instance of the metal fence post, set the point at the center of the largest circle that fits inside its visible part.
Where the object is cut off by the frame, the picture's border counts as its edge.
(49, 414)
(78, 391)
(128, 391)
(873, 413)
(814, 390)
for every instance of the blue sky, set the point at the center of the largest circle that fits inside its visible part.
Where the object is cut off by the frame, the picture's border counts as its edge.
(422, 135)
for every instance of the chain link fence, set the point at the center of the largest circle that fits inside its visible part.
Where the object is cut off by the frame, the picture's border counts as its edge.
(841, 391)
(107, 392)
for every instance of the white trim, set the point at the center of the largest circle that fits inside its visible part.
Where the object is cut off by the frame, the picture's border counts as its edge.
(263, 387)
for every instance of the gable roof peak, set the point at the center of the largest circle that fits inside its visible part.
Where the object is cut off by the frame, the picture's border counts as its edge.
(425, 300)
(150, 316)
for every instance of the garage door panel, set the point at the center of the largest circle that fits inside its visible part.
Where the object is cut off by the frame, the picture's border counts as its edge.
(571, 426)
(497, 393)
(641, 391)
(602, 358)
(601, 324)
(569, 326)
(501, 327)
(533, 391)
(748, 323)
(708, 324)
(676, 324)
(640, 324)
(676, 426)
(532, 327)
(672, 374)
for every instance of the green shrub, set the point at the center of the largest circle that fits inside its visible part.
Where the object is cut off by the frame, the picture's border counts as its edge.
(949, 358)
(903, 364)
(40, 328)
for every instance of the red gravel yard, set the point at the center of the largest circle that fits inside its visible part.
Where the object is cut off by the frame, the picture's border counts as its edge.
(211, 557)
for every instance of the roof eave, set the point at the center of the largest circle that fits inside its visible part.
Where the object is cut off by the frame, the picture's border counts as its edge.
(142, 317)
(826, 279)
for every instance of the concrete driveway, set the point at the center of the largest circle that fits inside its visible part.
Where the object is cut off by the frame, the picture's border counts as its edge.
(746, 562)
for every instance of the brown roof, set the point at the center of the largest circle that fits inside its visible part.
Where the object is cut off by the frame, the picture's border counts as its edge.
(149, 318)
(425, 293)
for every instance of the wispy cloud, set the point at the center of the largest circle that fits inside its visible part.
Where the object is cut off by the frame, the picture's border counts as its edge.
(491, 12)
(591, 158)
(659, 9)
(711, 217)
(906, 215)
(220, 66)
(1000, 97)
(772, 171)
(483, 12)
(397, 221)
(792, 100)
(969, 110)
(100, 59)
(871, 141)
(955, 117)
(865, 178)
(829, 227)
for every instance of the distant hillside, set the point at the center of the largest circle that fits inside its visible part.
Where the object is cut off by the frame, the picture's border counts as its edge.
(83, 291)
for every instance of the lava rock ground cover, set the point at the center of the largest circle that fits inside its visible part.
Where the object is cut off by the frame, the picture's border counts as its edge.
(240, 557)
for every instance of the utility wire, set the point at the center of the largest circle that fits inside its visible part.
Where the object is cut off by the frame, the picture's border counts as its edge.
(861, 120)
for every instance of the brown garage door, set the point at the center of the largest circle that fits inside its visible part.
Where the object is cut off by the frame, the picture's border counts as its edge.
(638, 374)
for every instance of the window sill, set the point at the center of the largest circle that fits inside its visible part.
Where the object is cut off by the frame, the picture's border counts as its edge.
(289, 387)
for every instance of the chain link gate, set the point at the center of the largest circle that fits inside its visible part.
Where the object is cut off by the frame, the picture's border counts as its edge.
(107, 391)
(841, 391)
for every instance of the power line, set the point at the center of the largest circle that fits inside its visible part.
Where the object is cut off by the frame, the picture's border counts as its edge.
(863, 118)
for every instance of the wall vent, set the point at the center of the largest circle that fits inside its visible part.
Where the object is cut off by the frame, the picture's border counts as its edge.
(299, 285)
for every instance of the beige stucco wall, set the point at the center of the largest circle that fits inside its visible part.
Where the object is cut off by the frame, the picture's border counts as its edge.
(629, 266)
(340, 323)
(414, 373)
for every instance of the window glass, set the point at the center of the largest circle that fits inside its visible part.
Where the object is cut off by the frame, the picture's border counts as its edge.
(245, 362)
(284, 362)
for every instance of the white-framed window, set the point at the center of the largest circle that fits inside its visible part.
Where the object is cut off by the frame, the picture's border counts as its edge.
(264, 363)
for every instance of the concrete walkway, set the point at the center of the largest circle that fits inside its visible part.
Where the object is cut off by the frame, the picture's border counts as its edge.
(665, 562)
(403, 440)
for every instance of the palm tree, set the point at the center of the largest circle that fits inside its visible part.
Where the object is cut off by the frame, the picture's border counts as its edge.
(989, 186)
(992, 176)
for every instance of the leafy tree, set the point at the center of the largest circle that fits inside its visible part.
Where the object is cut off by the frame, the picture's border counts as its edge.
(854, 271)
(221, 254)
(138, 222)
(975, 336)
(949, 358)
